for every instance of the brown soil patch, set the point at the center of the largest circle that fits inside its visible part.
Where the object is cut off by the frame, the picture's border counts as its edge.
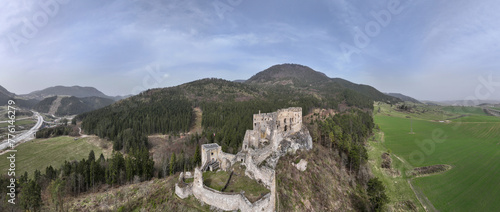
(386, 161)
(428, 170)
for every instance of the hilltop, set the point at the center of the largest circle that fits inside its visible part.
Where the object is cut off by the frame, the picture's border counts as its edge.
(76, 91)
(227, 106)
(305, 78)
(288, 74)
(404, 97)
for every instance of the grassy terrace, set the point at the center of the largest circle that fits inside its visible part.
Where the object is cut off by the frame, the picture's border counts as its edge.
(239, 182)
(40, 153)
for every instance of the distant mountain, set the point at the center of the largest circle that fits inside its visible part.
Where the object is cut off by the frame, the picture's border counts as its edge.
(284, 74)
(239, 81)
(6, 95)
(431, 103)
(76, 91)
(64, 105)
(5, 92)
(299, 76)
(466, 102)
(404, 98)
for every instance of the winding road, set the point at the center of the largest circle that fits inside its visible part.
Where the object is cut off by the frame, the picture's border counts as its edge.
(26, 136)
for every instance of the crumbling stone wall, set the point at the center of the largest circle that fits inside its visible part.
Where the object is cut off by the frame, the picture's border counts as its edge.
(225, 201)
(184, 192)
(266, 126)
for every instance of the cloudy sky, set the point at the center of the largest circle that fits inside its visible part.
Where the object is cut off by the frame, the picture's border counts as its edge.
(428, 49)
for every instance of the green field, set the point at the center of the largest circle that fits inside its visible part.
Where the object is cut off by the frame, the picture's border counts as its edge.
(19, 123)
(40, 153)
(397, 188)
(471, 145)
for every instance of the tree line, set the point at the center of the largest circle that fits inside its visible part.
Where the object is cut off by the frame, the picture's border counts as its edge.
(129, 122)
(347, 133)
(75, 177)
(57, 131)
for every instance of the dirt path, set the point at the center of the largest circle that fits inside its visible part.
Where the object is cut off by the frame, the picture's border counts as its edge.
(426, 203)
(197, 122)
(55, 105)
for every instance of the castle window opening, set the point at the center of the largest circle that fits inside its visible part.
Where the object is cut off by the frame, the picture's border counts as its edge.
(284, 120)
(285, 128)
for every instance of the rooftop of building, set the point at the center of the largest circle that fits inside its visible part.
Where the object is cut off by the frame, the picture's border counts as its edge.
(210, 146)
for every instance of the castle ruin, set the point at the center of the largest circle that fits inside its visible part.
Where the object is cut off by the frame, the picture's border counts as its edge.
(273, 135)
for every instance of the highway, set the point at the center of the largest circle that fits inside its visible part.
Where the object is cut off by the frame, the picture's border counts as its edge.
(26, 136)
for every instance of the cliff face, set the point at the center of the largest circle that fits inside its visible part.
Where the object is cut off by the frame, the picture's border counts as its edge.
(324, 185)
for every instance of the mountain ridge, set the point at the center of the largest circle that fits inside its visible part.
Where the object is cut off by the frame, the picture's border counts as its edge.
(304, 77)
(59, 90)
(71, 105)
(404, 97)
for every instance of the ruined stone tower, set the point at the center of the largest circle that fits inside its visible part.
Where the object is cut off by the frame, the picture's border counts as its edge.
(268, 125)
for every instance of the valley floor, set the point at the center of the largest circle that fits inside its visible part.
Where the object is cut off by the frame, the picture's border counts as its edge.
(464, 138)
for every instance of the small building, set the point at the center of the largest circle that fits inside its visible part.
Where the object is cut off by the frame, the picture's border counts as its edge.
(210, 156)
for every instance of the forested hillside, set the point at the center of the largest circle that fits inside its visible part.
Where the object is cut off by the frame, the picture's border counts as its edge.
(72, 105)
(227, 106)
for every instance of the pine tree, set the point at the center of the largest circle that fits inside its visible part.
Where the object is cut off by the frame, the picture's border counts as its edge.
(91, 156)
(172, 164)
(30, 197)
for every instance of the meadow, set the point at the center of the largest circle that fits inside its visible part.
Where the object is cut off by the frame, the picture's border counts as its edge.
(470, 144)
(40, 153)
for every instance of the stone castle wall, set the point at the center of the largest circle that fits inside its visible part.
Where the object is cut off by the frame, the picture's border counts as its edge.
(225, 201)
(266, 126)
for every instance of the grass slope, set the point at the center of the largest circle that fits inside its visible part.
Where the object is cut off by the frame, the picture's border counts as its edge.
(153, 195)
(40, 153)
(471, 147)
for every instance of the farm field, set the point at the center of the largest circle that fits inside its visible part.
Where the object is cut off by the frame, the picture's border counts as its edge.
(398, 190)
(470, 144)
(40, 153)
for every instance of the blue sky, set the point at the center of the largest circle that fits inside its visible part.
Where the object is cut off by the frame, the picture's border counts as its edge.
(428, 49)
